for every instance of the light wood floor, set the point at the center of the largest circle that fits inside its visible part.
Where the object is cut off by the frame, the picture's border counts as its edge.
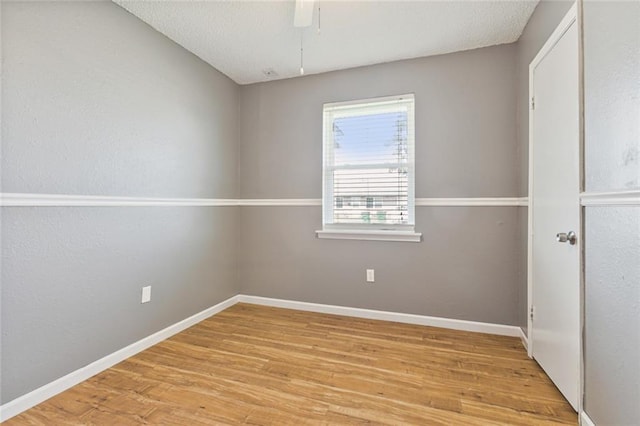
(260, 365)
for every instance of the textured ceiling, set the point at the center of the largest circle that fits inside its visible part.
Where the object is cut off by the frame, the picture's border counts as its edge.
(242, 39)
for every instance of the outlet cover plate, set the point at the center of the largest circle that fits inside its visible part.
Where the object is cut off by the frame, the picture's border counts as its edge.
(146, 294)
(370, 275)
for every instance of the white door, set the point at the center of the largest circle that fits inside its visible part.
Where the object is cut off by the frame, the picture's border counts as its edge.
(555, 209)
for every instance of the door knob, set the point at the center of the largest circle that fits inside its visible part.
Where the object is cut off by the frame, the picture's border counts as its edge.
(563, 238)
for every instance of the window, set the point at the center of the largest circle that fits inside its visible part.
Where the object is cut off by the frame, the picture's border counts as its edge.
(368, 169)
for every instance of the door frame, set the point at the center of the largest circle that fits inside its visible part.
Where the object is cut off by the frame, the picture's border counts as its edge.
(573, 15)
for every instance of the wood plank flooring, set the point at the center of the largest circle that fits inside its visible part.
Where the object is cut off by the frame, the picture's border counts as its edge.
(259, 365)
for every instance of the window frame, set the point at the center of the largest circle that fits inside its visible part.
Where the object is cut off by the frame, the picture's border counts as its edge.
(368, 231)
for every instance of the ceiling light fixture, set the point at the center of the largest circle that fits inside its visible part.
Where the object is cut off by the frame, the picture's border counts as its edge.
(303, 15)
(302, 18)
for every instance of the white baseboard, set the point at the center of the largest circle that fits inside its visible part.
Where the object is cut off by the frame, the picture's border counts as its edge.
(33, 398)
(525, 339)
(479, 327)
(585, 420)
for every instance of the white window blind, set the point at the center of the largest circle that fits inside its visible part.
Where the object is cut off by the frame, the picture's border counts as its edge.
(368, 162)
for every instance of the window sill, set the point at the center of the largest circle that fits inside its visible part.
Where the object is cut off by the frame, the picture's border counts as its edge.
(370, 235)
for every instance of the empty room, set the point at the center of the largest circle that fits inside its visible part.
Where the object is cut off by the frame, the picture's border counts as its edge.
(320, 212)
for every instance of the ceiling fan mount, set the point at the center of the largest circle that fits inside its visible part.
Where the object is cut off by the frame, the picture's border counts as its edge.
(303, 16)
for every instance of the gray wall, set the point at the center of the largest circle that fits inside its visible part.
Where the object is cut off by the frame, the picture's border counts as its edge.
(465, 128)
(544, 20)
(612, 95)
(612, 311)
(467, 265)
(612, 245)
(95, 102)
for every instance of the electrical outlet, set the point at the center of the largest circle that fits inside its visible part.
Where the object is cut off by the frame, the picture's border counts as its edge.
(146, 294)
(370, 276)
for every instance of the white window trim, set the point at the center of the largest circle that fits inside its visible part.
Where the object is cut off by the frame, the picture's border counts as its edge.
(370, 235)
(369, 232)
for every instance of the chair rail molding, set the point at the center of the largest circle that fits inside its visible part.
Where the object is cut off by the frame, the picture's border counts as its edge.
(612, 198)
(13, 199)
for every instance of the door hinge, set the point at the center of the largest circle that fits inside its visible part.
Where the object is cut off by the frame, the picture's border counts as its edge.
(531, 313)
(533, 103)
